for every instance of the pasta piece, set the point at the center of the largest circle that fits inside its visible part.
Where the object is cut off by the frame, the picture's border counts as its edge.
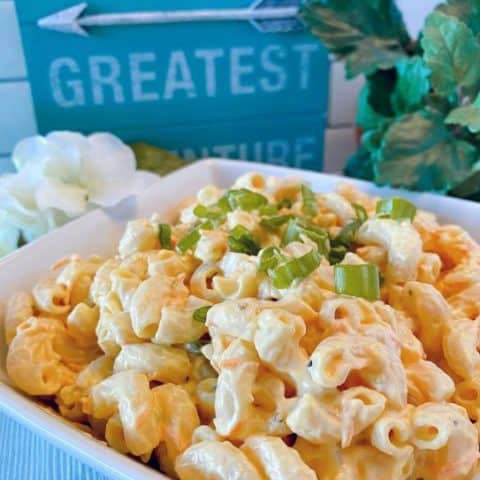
(82, 323)
(150, 297)
(315, 420)
(427, 383)
(71, 398)
(324, 460)
(19, 308)
(129, 394)
(274, 460)
(429, 268)
(158, 362)
(171, 264)
(211, 460)
(360, 407)
(77, 277)
(202, 281)
(179, 418)
(33, 363)
(460, 346)
(124, 284)
(402, 242)
(114, 327)
(102, 285)
(140, 236)
(211, 246)
(205, 433)
(431, 313)
(447, 442)
(277, 341)
(364, 462)
(365, 361)
(51, 298)
(467, 395)
(338, 205)
(392, 432)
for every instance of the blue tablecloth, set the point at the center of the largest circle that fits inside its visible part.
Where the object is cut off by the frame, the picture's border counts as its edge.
(26, 456)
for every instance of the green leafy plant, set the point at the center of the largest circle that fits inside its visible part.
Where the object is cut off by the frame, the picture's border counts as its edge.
(419, 111)
(156, 160)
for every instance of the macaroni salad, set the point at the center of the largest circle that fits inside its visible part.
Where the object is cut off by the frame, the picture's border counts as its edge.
(270, 333)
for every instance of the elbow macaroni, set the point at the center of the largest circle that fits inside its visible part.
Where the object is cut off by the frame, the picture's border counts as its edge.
(264, 383)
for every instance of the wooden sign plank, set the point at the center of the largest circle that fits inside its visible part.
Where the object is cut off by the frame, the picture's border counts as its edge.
(158, 82)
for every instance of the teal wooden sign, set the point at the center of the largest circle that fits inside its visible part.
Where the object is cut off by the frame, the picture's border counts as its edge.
(244, 81)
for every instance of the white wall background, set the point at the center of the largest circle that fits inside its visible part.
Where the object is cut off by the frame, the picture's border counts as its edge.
(17, 119)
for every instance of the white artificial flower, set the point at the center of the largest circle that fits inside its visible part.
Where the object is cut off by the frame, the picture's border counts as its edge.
(9, 236)
(65, 174)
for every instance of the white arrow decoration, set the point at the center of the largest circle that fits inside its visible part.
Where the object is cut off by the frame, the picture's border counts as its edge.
(265, 15)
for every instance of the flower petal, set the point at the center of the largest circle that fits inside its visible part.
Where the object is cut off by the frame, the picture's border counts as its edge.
(31, 154)
(9, 236)
(113, 193)
(72, 148)
(53, 193)
(110, 168)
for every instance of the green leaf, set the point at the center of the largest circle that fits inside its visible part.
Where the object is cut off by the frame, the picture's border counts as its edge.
(451, 52)
(347, 25)
(371, 55)
(360, 165)
(468, 11)
(412, 85)
(470, 188)
(382, 84)
(418, 152)
(367, 117)
(156, 159)
(468, 116)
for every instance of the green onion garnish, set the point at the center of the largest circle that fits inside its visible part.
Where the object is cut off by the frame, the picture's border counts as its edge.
(268, 210)
(245, 199)
(189, 241)
(284, 203)
(200, 314)
(360, 212)
(165, 236)
(309, 201)
(358, 281)
(396, 208)
(298, 226)
(283, 275)
(270, 257)
(273, 223)
(212, 212)
(241, 240)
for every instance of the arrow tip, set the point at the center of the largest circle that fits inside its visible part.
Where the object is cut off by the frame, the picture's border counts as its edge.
(65, 21)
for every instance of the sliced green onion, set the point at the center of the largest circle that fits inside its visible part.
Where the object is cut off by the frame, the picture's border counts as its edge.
(396, 208)
(273, 223)
(241, 240)
(343, 242)
(283, 275)
(165, 236)
(212, 212)
(360, 212)
(245, 199)
(358, 281)
(200, 314)
(268, 210)
(299, 226)
(270, 257)
(189, 241)
(337, 254)
(310, 206)
(285, 203)
(196, 347)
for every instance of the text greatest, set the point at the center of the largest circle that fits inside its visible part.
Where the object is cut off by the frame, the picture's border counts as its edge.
(151, 77)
